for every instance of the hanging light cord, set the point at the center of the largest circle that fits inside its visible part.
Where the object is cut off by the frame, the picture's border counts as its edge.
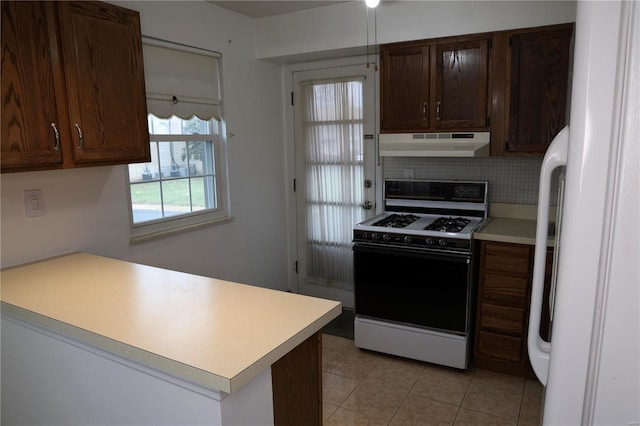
(375, 39)
(367, 36)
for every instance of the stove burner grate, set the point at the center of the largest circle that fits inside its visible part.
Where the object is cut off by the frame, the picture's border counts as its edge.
(448, 224)
(397, 220)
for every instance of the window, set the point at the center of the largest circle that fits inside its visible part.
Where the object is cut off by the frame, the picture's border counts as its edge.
(181, 177)
(185, 183)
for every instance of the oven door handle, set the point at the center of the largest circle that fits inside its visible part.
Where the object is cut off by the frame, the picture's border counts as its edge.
(412, 251)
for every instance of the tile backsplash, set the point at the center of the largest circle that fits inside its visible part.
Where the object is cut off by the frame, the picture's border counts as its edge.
(511, 180)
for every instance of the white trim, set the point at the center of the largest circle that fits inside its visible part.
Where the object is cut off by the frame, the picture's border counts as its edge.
(167, 226)
(144, 237)
(289, 74)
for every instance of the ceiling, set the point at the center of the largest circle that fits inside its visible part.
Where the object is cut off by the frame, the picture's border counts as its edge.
(261, 9)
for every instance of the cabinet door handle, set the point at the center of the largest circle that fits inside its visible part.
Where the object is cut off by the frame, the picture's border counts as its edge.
(56, 133)
(424, 110)
(438, 110)
(80, 137)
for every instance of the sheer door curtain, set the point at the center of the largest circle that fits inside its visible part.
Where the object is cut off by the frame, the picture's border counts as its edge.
(334, 171)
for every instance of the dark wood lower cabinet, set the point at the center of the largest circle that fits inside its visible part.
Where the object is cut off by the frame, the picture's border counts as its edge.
(499, 347)
(504, 318)
(503, 307)
(297, 385)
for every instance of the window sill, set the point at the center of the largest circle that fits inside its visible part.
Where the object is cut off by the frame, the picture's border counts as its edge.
(153, 235)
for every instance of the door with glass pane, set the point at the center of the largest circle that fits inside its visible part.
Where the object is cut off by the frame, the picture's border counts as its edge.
(335, 172)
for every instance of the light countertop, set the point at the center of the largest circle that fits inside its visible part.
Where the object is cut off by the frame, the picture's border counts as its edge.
(215, 333)
(511, 224)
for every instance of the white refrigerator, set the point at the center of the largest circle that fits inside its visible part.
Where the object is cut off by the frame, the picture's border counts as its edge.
(591, 367)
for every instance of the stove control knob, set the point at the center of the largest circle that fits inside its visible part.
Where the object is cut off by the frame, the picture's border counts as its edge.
(407, 239)
(374, 236)
(442, 243)
(386, 237)
(429, 241)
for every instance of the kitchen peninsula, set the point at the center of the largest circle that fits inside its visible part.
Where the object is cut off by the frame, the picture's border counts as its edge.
(89, 339)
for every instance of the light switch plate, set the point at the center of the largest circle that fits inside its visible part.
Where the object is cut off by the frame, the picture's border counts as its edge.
(33, 203)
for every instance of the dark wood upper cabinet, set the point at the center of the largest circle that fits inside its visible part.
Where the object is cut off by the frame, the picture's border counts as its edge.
(31, 120)
(72, 86)
(536, 82)
(435, 85)
(461, 84)
(404, 88)
(104, 71)
(513, 83)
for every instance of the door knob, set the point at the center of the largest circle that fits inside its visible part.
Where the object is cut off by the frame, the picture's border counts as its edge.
(367, 205)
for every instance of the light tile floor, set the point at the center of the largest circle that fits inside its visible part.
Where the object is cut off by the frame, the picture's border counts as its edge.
(367, 388)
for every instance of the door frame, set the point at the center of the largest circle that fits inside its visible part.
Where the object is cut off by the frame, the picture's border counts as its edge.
(344, 296)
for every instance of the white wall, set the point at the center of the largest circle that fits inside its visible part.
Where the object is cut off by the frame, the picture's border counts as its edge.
(342, 29)
(87, 208)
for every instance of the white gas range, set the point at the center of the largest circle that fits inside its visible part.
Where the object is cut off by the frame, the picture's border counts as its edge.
(415, 271)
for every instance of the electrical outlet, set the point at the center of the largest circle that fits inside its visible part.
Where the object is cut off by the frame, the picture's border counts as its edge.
(408, 173)
(34, 203)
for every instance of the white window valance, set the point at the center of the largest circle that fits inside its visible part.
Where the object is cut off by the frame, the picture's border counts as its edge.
(181, 80)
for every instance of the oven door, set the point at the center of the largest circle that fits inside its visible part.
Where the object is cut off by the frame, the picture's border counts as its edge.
(425, 288)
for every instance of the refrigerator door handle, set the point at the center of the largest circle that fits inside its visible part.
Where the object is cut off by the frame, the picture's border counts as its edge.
(539, 350)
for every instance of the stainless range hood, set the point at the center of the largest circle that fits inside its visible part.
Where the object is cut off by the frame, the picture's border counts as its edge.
(458, 144)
